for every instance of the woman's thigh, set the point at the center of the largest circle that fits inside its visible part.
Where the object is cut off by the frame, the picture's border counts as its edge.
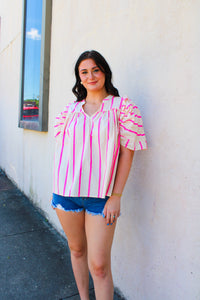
(73, 224)
(99, 239)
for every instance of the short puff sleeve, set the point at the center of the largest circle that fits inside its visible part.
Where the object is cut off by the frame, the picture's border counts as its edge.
(131, 129)
(60, 121)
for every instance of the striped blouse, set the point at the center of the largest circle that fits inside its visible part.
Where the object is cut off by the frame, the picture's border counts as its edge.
(87, 147)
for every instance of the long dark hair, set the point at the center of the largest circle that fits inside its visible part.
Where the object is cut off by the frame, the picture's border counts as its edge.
(79, 90)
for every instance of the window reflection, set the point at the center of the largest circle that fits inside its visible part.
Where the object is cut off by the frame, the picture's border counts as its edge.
(32, 59)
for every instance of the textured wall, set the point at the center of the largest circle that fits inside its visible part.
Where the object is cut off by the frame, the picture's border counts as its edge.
(153, 49)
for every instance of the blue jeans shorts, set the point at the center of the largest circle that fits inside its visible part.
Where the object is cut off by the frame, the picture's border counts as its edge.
(91, 205)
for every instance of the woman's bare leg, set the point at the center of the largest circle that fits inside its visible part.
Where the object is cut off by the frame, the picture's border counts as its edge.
(99, 238)
(73, 224)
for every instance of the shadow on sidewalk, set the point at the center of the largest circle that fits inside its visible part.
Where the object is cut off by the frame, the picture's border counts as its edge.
(34, 258)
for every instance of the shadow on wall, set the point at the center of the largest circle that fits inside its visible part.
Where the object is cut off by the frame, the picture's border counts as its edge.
(139, 210)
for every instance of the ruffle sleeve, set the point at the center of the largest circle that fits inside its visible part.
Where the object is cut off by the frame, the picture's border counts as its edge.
(60, 121)
(131, 129)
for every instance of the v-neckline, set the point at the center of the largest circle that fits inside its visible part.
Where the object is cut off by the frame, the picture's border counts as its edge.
(98, 110)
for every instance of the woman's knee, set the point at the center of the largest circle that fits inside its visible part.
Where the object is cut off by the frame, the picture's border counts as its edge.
(77, 251)
(99, 269)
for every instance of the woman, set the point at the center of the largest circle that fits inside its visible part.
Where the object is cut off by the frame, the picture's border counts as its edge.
(96, 137)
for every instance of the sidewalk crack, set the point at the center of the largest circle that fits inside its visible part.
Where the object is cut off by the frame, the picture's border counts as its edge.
(19, 233)
(77, 294)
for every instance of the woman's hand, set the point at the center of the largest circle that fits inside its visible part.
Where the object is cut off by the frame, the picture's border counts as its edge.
(112, 209)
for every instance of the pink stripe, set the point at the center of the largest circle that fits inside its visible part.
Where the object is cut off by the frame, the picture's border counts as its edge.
(120, 106)
(71, 121)
(75, 107)
(123, 113)
(79, 187)
(66, 178)
(66, 111)
(54, 173)
(57, 133)
(58, 125)
(95, 115)
(99, 157)
(112, 102)
(129, 120)
(74, 145)
(114, 163)
(127, 107)
(106, 152)
(114, 117)
(127, 143)
(113, 156)
(61, 154)
(137, 116)
(90, 174)
(141, 145)
(70, 124)
(132, 131)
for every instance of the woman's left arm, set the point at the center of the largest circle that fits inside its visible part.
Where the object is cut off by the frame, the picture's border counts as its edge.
(112, 207)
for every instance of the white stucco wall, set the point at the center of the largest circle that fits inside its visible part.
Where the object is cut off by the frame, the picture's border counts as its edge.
(153, 49)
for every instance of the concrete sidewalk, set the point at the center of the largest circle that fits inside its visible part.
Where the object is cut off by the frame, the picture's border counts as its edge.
(34, 258)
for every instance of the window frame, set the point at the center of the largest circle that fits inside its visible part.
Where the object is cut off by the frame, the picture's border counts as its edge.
(42, 123)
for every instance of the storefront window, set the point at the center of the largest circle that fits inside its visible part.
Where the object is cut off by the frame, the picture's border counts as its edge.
(35, 65)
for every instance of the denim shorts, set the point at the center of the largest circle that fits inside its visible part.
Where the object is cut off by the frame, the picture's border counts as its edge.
(91, 205)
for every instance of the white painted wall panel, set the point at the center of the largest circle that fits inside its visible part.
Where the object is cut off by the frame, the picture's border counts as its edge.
(153, 49)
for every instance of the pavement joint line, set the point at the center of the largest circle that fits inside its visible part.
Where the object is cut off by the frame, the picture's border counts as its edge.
(77, 294)
(19, 233)
(68, 297)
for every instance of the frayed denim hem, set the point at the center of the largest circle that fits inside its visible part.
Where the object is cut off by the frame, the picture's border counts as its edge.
(95, 214)
(72, 210)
